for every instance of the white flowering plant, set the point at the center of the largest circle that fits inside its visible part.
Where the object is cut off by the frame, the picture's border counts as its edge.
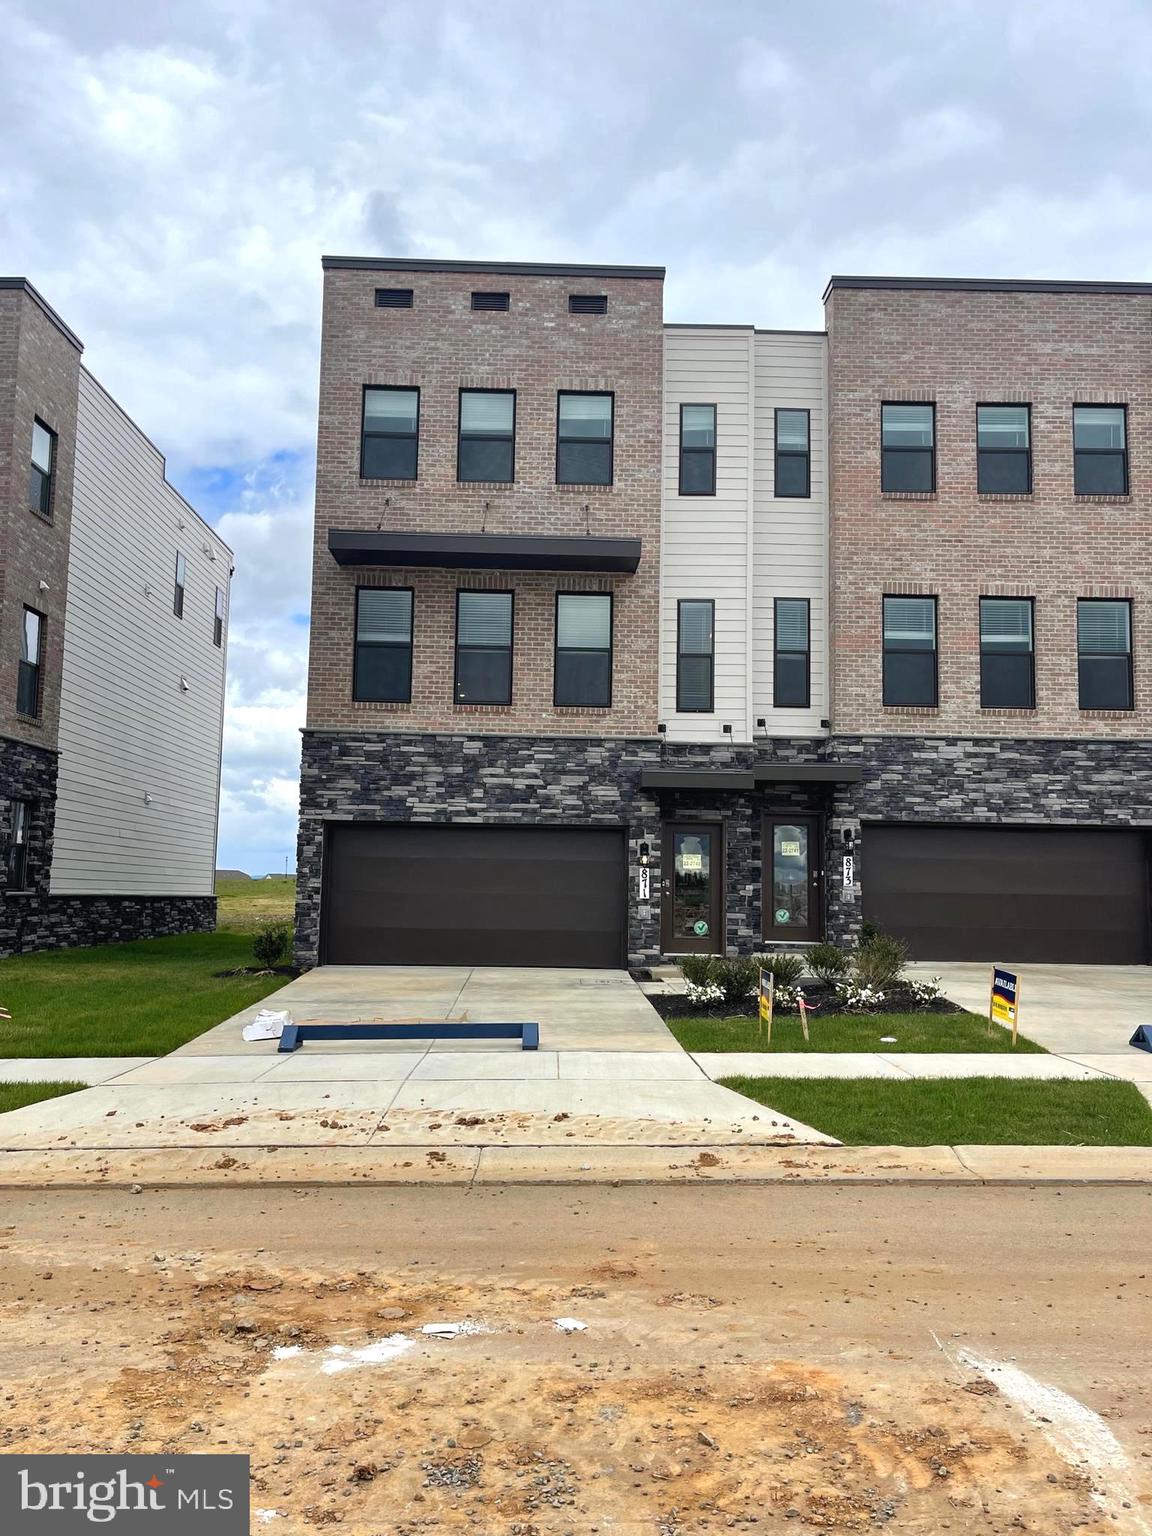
(923, 992)
(858, 995)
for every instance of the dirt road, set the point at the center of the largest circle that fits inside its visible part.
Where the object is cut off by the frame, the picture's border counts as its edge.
(906, 1359)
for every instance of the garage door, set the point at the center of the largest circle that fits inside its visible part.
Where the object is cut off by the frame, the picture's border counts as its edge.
(432, 895)
(1009, 893)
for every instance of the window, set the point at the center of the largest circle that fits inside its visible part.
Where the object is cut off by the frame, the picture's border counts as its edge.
(484, 647)
(1104, 653)
(491, 301)
(1004, 450)
(218, 618)
(382, 672)
(393, 298)
(584, 439)
(485, 448)
(391, 429)
(908, 448)
(910, 651)
(43, 463)
(28, 673)
(16, 862)
(695, 626)
(179, 585)
(697, 450)
(1100, 449)
(793, 454)
(791, 675)
(587, 303)
(1007, 653)
(583, 649)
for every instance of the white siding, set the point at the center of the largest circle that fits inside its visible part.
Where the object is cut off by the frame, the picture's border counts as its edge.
(742, 547)
(139, 756)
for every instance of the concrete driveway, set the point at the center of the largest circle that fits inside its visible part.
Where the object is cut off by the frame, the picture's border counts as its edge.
(1084, 1012)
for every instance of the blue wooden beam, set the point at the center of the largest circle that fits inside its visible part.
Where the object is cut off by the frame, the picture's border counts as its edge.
(295, 1035)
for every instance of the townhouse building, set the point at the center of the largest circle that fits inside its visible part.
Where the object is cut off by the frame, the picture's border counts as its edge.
(633, 640)
(113, 643)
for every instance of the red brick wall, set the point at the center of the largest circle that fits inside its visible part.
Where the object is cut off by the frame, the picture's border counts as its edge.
(536, 348)
(39, 376)
(958, 349)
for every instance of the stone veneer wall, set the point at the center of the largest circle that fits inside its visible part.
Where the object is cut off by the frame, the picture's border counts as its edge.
(554, 781)
(986, 780)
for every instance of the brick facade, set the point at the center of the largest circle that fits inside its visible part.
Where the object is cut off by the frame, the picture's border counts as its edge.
(536, 348)
(958, 349)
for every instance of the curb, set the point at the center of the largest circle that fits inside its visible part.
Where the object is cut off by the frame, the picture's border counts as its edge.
(480, 1165)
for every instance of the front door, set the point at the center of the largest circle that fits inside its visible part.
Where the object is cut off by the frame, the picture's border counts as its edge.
(692, 893)
(793, 860)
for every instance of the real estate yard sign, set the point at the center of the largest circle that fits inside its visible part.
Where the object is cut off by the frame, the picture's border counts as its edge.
(767, 1000)
(1004, 1006)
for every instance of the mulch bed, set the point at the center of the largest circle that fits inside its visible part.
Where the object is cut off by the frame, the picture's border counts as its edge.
(674, 1005)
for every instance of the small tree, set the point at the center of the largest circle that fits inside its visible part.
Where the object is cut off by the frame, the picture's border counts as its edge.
(272, 944)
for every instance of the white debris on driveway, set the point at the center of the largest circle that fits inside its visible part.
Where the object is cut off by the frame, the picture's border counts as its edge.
(454, 1330)
(569, 1324)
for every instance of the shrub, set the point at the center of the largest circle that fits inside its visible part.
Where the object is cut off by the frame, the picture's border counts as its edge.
(827, 963)
(787, 969)
(868, 932)
(697, 969)
(878, 962)
(737, 978)
(272, 943)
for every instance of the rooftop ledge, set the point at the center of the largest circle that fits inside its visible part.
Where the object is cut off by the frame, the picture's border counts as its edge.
(485, 551)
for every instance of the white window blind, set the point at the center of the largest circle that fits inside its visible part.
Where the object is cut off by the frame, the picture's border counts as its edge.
(384, 616)
(584, 621)
(485, 618)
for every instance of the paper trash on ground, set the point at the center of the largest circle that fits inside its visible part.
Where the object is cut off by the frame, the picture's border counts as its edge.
(269, 1024)
(569, 1324)
(453, 1330)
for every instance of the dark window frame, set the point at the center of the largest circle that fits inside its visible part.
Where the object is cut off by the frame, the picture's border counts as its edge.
(397, 298)
(1109, 708)
(1077, 453)
(697, 405)
(179, 585)
(218, 619)
(934, 599)
(36, 668)
(791, 453)
(15, 869)
(407, 389)
(1026, 453)
(897, 490)
(357, 642)
(557, 703)
(491, 293)
(777, 652)
(680, 654)
(47, 497)
(488, 437)
(511, 649)
(607, 394)
(1001, 597)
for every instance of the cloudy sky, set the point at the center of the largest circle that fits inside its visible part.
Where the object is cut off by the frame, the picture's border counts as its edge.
(170, 174)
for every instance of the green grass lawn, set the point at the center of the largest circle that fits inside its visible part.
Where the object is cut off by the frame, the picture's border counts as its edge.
(241, 905)
(921, 1112)
(850, 1032)
(140, 999)
(16, 1095)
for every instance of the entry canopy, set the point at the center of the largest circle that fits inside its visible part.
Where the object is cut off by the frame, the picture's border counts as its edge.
(485, 551)
(765, 773)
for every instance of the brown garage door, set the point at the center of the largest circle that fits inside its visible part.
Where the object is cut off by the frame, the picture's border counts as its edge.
(450, 895)
(1009, 893)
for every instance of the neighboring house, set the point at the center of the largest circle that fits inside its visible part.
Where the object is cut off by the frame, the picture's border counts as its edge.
(633, 640)
(113, 645)
(232, 874)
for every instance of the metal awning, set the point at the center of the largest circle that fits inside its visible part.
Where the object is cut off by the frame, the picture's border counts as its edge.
(695, 778)
(809, 773)
(485, 551)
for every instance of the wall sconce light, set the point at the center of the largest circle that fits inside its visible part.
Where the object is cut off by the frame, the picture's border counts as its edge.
(184, 685)
(644, 853)
(44, 587)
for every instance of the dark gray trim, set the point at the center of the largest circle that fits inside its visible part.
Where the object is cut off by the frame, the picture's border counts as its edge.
(484, 551)
(986, 285)
(513, 268)
(687, 778)
(22, 285)
(808, 773)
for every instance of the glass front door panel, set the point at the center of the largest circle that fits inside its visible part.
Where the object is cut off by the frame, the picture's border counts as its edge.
(791, 887)
(692, 894)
